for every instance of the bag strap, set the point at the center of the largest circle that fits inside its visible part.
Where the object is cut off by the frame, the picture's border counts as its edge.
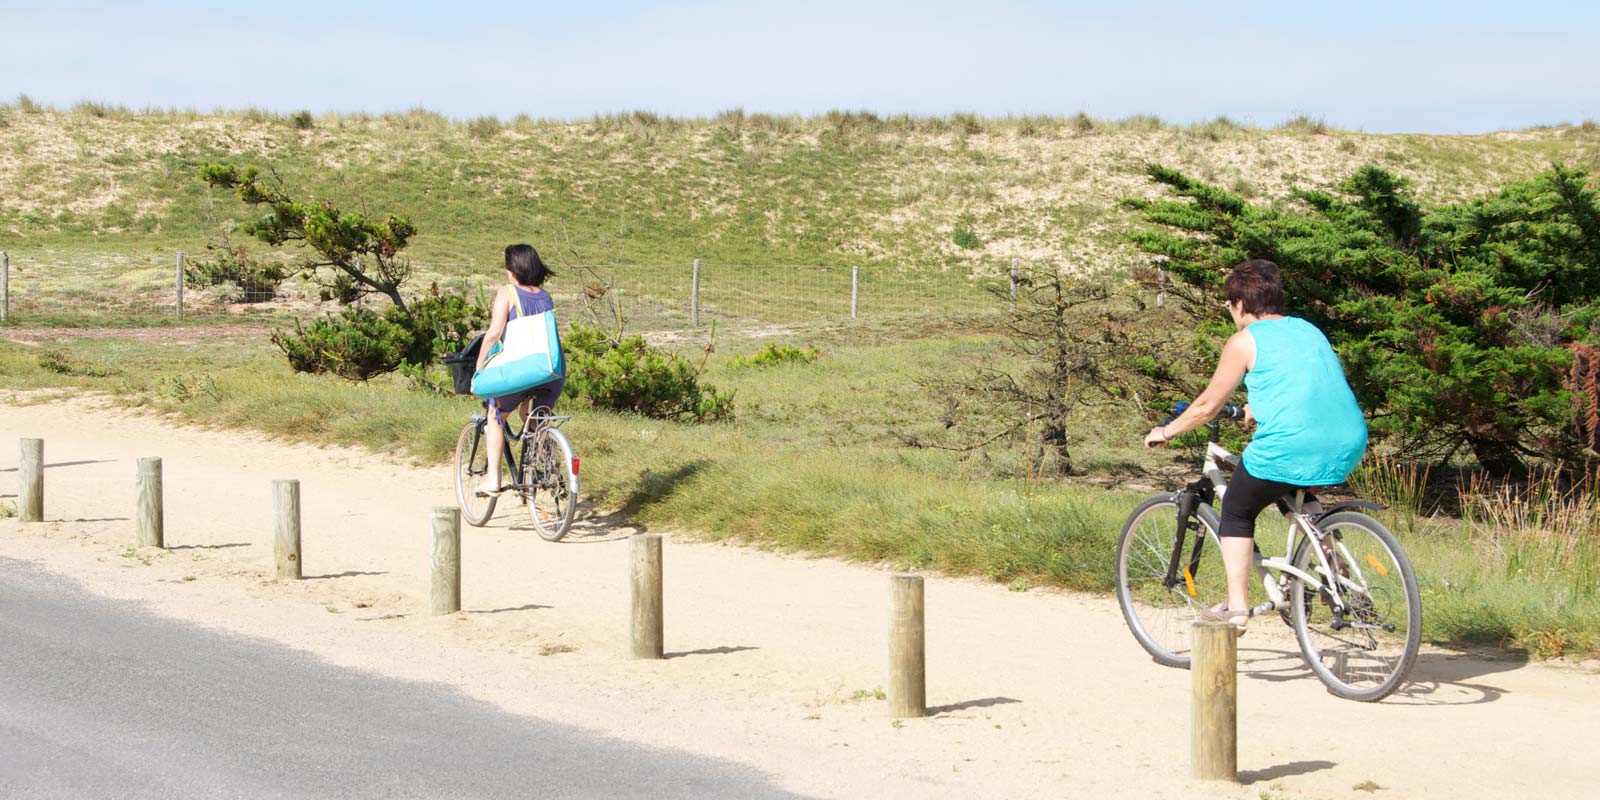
(516, 305)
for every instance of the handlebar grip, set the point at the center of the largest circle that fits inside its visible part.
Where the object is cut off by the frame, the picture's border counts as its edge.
(1231, 411)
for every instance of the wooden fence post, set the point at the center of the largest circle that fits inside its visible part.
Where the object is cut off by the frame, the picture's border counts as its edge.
(1013, 284)
(5, 286)
(149, 512)
(180, 285)
(1214, 733)
(855, 289)
(286, 529)
(694, 297)
(446, 584)
(30, 481)
(645, 632)
(908, 687)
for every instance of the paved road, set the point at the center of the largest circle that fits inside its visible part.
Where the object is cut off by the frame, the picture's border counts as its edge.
(98, 699)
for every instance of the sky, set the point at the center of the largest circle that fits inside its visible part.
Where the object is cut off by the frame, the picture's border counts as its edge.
(1435, 67)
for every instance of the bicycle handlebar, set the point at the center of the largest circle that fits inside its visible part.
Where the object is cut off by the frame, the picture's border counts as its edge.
(1229, 411)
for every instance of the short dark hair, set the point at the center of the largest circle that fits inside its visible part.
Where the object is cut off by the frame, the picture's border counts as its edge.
(525, 264)
(1257, 284)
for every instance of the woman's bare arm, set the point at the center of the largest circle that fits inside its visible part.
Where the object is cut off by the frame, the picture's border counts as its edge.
(1237, 356)
(497, 324)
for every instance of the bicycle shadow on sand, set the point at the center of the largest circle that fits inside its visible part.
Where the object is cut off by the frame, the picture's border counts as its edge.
(591, 527)
(1437, 677)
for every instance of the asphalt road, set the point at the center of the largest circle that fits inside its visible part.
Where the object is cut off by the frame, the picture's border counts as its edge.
(98, 699)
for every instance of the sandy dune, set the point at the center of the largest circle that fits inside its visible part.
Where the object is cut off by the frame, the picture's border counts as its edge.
(1036, 694)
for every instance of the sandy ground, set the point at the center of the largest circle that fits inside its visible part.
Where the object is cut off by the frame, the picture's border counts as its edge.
(1034, 694)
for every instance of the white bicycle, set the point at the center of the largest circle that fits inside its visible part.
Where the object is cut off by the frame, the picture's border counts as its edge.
(1346, 586)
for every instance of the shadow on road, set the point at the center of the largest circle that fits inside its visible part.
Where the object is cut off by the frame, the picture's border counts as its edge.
(986, 702)
(528, 607)
(1435, 679)
(1288, 770)
(222, 546)
(710, 651)
(349, 573)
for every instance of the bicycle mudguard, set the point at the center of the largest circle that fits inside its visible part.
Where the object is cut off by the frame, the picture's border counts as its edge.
(1367, 505)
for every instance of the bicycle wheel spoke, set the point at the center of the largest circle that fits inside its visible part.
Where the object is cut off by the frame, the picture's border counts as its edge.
(1159, 615)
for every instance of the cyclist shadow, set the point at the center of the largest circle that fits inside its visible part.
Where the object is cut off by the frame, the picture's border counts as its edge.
(1437, 678)
(653, 487)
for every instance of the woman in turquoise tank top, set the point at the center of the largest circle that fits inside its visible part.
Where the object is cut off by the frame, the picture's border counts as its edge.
(1309, 430)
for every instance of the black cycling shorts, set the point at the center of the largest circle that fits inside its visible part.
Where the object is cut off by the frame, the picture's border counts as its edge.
(1245, 499)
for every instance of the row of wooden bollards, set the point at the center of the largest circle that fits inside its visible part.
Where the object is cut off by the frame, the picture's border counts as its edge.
(1214, 720)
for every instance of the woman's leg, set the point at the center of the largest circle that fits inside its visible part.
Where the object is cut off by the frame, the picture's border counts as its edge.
(494, 438)
(1247, 495)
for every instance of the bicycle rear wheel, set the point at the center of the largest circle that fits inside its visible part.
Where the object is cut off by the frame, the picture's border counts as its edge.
(553, 496)
(1161, 616)
(1364, 651)
(472, 463)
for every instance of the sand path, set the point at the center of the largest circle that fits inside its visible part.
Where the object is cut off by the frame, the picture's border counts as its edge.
(1035, 694)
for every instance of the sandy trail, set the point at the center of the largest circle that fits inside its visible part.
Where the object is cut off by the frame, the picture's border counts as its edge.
(1035, 694)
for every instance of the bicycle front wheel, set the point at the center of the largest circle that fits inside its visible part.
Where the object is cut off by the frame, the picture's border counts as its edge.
(1161, 611)
(1362, 645)
(472, 463)
(550, 472)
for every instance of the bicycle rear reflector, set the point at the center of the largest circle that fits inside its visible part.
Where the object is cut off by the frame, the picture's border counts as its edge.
(574, 465)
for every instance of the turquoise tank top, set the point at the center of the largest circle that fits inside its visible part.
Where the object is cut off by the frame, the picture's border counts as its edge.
(1309, 430)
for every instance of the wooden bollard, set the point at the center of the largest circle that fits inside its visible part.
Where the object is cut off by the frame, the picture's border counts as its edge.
(446, 589)
(148, 512)
(30, 480)
(1214, 732)
(646, 631)
(908, 683)
(286, 529)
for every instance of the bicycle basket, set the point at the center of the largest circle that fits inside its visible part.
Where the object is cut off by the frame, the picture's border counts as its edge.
(463, 364)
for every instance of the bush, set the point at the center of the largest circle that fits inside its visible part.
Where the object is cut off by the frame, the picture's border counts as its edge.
(301, 120)
(628, 375)
(232, 264)
(440, 324)
(357, 344)
(774, 354)
(1456, 324)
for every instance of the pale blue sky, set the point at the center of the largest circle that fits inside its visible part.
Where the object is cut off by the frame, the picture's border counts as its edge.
(1464, 66)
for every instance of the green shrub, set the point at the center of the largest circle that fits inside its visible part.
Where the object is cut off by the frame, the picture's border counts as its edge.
(357, 344)
(233, 265)
(440, 324)
(301, 120)
(626, 374)
(965, 238)
(774, 354)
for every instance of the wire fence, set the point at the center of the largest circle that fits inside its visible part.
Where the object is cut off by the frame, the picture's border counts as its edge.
(46, 289)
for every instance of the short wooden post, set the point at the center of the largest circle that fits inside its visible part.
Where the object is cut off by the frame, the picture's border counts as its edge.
(286, 529)
(646, 630)
(855, 289)
(908, 686)
(30, 481)
(1161, 281)
(180, 285)
(1013, 284)
(149, 514)
(5, 286)
(446, 586)
(1214, 733)
(694, 297)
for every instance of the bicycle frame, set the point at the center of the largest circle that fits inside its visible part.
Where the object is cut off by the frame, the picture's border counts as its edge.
(530, 424)
(1214, 484)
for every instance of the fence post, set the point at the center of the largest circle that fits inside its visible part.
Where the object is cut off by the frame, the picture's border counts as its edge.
(5, 286)
(180, 285)
(1214, 732)
(694, 297)
(855, 289)
(1013, 284)
(645, 632)
(151, 520)
(445, 591)
(908, 686)
(286, 529)
(1161, 281)
(30, 480)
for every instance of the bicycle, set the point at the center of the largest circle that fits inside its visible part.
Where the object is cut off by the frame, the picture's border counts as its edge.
(546, 473)
(1346, 586)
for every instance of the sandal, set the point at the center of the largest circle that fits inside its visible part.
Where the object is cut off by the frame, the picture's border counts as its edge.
(484, 491)
(1223, 614)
